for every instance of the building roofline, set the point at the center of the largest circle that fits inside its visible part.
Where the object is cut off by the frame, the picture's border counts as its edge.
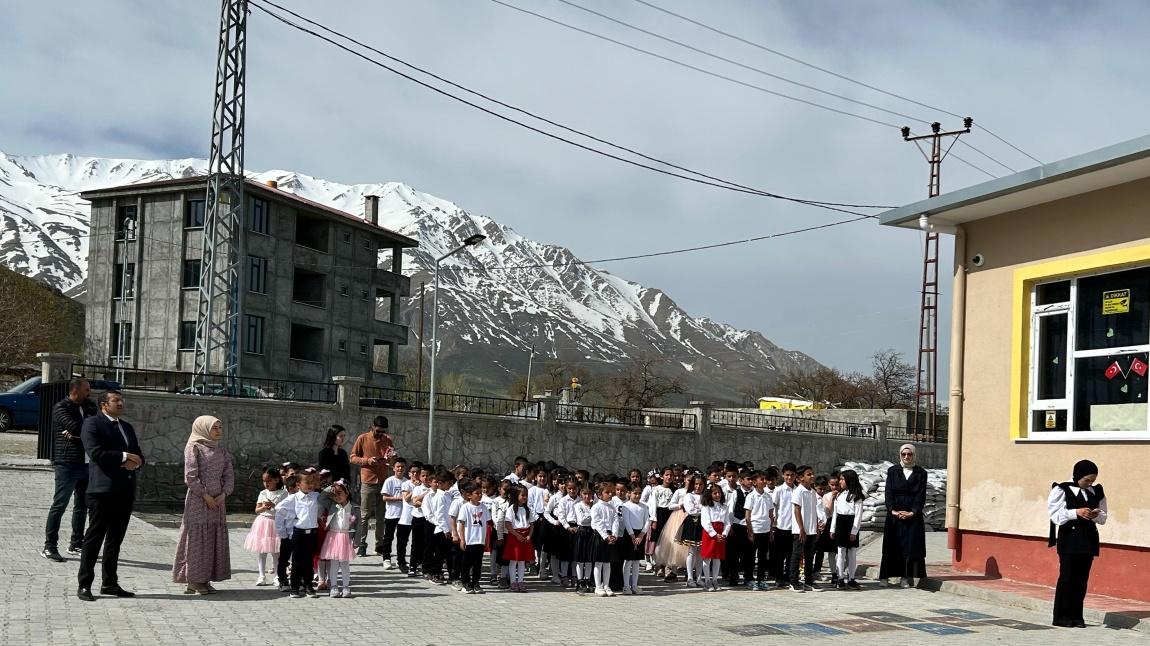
(1116, 164)
(259, 187)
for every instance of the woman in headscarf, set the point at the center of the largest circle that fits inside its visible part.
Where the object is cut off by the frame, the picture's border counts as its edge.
(202, 554)
(904, 533)
(1076, 508)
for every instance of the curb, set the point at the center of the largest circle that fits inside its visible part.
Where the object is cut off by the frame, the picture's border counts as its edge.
(1102, 617)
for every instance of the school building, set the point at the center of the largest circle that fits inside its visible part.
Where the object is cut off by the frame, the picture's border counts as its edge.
(1050, 359)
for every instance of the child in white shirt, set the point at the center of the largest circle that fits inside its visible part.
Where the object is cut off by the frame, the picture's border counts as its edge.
(636, 525)
(263, 539)
(473, 519)
(716, 521)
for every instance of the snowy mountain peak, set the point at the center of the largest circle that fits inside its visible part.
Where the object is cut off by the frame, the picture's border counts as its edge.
(498, 298)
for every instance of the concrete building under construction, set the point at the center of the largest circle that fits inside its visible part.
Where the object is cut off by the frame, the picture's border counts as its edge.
(314, 301)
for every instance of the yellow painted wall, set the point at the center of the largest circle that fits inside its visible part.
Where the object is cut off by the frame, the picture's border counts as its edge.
(1005, 482)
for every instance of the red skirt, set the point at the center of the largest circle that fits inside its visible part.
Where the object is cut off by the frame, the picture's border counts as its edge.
(514, 550)
(712, 548)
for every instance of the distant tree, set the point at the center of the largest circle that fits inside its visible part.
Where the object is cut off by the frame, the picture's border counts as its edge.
(890, 384)
(554, 375)
(35, 318)
(893, 380)
(641, 385)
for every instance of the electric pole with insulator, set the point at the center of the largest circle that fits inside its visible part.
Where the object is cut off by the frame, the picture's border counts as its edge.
(925, 416)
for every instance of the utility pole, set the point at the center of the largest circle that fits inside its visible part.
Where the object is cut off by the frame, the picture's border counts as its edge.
(218, 314)
(926, 374)
(419, 361)
(530, 360)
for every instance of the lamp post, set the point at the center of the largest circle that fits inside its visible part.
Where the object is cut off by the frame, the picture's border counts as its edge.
(470, 241)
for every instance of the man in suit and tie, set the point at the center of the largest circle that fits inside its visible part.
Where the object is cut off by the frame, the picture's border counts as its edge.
(114, 455)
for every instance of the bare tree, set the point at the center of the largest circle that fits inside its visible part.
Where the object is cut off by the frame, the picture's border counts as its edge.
(893, 380)
(641, 385)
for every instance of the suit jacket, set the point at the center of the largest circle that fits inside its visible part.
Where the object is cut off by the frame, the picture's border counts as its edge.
(105, 447)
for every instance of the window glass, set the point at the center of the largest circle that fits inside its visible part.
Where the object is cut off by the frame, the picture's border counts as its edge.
(254, 334)
(1046, 421)
(187, 335)
(1110, 392)
(1053, 293)
(194, 214)
(258, 216)
(257, 274)
(1051, 357)
(1113, 310)
(191, 277)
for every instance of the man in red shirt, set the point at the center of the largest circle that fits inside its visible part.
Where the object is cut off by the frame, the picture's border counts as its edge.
(373, 452)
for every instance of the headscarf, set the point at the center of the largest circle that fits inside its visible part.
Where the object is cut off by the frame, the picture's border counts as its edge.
(906, 464)
(201, 431)
(1084, 468)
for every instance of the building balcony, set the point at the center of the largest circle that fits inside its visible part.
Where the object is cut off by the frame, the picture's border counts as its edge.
(392, 283)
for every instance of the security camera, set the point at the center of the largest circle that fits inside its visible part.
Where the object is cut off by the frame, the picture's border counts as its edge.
(977, 260)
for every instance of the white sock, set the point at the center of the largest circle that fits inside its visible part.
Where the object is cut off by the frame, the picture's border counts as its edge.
(705, 579)
(635, 575)
(691, 558)
(261, 560)
(852, 562)
(579, 571)
(323, 567)
(716, 566)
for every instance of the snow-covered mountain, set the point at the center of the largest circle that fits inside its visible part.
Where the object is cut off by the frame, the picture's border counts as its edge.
(508, 293)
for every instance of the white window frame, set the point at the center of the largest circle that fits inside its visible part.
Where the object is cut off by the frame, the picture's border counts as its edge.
(1069, 309)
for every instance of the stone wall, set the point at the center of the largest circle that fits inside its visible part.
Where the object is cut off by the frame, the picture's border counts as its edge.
(264, 432)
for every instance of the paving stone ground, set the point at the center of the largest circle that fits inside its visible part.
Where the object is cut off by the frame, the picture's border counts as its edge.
(40, 606)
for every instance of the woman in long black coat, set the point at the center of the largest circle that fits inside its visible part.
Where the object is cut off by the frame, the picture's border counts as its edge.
(904, 533)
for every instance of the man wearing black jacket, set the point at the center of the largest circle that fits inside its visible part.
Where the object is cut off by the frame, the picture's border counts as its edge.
(70, 465)
(114, 455)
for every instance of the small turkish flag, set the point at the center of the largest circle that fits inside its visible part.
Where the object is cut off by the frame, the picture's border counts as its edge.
(1113, 370)
(1138, 366)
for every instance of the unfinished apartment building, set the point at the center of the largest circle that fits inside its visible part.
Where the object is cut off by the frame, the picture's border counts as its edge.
(314, 303)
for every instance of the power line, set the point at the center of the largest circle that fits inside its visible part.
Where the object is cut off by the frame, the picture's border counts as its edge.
(717, 75)
(719, 183)
(827, 71)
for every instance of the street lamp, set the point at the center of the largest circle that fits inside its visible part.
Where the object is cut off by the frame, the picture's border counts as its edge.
(470, 241)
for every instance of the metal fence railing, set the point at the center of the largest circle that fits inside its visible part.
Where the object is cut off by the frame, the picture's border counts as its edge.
(904, 434)
(213, 384)
(374, 397)
(765, 422)
(623, 416)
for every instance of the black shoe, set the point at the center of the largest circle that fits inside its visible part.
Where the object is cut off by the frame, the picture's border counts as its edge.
(362, 551)
(853, 585)
(51, 554)
(1080, 624)
(311, 592)
(1063, 624)
(75, 550)
(117, 591)
(84, 594)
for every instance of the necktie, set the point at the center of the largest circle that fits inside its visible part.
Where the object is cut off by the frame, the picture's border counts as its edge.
(124, 435)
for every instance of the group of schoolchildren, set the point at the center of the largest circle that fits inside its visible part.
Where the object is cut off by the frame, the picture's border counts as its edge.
(590, 533)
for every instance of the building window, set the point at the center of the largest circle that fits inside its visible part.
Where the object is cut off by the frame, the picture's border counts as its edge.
(363, 294)
(363, 348)
(308, 288)
(194, 214)
(257, 274)
(367, 243)
(343, 346)
(253, 334)
(121, 341)
(347, 237)
(191, 275)
(306, 343)
(187, 335)
(343, 291)
(258, 216)
(1090, 354)
(124, 282)
(127, 222)
(312, 232)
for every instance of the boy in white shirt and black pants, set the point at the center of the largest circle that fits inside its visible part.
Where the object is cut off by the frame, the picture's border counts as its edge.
(804, 530)
(392, 494)
(471, 530)
(784, 518)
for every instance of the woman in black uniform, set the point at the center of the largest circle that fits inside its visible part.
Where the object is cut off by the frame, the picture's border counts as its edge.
(1076, 508)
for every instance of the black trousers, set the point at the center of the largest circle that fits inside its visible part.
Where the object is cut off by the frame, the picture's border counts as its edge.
(761, 547)
(418, 541)
(1070, 593)
(454, 561)
(389, 525)
(108, 516)
(302, 552)
(781, 555)
(472, 566)
(740, 555)
(402, 534)
(71, 484)
(283, 560)
(438, 549)
(802, 551)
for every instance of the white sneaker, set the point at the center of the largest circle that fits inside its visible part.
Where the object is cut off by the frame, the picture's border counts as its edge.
(627, 591)
(600, 592)
(346, 593)
(387, 564)
(260, 580)
(608, 592)
(334, 594)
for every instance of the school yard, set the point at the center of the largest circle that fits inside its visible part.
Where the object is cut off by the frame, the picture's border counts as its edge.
(40, 607)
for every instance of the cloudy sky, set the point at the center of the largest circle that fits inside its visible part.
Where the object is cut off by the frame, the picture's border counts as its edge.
(133, 78)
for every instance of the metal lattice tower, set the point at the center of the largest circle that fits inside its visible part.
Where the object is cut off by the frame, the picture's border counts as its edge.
(218, 316)
(925, 418)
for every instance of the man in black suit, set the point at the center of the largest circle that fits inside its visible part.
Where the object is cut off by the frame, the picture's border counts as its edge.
(114, 455)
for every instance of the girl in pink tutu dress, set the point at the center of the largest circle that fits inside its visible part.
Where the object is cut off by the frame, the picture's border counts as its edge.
(263, 539)
(337, 545)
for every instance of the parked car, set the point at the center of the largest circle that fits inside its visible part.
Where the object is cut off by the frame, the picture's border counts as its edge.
(20, 406)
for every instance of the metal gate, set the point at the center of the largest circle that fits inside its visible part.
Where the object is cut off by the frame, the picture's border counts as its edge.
(50, 394)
